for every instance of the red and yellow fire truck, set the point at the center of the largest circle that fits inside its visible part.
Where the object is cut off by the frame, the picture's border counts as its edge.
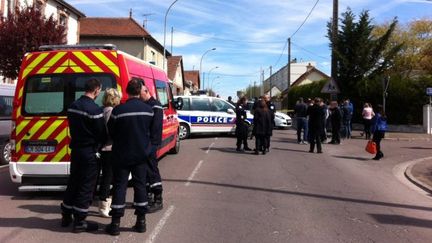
(49, 81)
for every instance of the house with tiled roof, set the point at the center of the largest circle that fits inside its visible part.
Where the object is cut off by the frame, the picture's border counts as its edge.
(176, 74)
(126, 34)
(64, 13)
(311, 75)
(193, 81)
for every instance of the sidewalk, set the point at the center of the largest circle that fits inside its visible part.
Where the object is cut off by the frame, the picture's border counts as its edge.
(400, 136)
(421, 175)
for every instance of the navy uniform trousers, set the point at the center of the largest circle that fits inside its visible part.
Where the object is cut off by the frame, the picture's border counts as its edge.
(139, 173)
(82, 181)
(154, 177)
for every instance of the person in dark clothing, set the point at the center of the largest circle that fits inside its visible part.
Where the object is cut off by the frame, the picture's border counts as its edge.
(378, 128)
(88, 133)
(272, 110)
(346, 120)
(231, 101)
(300, 111)
(316, 115)
(110, 99)
(262, 126)
(335, 118)
(130, 129)
(242, 125)
(154, 189)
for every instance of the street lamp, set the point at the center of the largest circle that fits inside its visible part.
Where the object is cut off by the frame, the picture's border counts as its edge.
(200, 71)
(208, 74)
(165, 22)
(211, 84)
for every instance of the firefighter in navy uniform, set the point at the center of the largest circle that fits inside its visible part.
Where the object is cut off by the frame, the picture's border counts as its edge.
(272, 110)
(241, 125)
(88, 133)
(129, 127)
(154, 180)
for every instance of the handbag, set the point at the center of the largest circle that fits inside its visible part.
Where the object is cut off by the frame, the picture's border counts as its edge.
(371, 147)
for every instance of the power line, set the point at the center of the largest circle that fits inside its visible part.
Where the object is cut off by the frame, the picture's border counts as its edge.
(305, 19)
(326, 58)
(280, 56)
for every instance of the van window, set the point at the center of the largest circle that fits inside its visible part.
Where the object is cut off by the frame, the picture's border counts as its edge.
(161, 89)
(220, 105)
(44, 94)
(201, 104)
(53, 94)
(5, 107)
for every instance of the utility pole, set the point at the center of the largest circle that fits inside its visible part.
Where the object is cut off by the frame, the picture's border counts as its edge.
(254, 89)
(289, 70)
(262, 90)
(270, 81)
(334, 40)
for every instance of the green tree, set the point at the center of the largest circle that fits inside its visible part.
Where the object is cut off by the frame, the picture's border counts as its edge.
(22, 31)
(360, 55)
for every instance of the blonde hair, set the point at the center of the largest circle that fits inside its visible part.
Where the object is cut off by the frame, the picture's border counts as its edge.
(111, 97)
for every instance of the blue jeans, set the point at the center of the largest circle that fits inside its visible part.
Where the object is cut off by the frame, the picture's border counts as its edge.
(302, 123)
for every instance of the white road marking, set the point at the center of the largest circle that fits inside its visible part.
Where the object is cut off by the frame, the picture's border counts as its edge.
(194, 172)
(4, 166)
(208, 150)
(160, 225)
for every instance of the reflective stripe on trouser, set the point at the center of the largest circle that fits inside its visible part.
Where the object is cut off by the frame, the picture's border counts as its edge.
(82, 180)
(154, 177)
(120, 181)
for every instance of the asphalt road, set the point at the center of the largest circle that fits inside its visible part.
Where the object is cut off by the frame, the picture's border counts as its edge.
(214, 194)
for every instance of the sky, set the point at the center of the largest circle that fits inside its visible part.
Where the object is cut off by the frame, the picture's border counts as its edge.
(249, 35)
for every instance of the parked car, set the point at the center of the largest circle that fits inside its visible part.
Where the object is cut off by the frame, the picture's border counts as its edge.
(281, 120)
(6, 99)
(206, 115)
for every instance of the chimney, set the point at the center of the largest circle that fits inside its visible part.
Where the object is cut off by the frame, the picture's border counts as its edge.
(130, 13)
(309, 67)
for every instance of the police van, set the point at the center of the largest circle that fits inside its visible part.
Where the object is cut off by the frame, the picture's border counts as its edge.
(7, 92)
(49, 81)
(206, 115)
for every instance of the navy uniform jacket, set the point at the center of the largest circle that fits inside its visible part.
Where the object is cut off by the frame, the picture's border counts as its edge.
(86, 124)
(129, 127)
(241, 121)
(157, 122)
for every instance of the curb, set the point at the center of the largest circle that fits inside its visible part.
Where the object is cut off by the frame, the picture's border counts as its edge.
(416, 182)
(408, 139)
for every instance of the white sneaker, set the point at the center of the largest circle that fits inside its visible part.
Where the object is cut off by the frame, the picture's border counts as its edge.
(104, 208)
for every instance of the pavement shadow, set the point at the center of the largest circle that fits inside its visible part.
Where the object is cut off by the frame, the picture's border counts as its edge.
(425, 148)
(229, 150)
(286, 140)
(304, 194)
(293, 150)
(401, 220)
(351, 157)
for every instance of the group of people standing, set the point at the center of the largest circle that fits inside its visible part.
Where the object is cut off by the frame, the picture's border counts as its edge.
(313, 116)
(263, 122)
(120, 139)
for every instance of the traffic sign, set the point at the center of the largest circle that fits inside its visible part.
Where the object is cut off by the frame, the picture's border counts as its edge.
(429, 91)
(330, 87)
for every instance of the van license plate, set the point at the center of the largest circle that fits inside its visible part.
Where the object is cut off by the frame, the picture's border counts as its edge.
(39, 149)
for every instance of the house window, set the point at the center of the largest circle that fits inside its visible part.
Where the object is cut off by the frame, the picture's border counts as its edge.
(153, 57)
(12, 4)
(62, 18)
(40, 4)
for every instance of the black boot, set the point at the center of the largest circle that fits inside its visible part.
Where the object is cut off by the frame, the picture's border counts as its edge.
(81, 225)
(66, 219)
(114, 227)
(140, 225)
(156, 204)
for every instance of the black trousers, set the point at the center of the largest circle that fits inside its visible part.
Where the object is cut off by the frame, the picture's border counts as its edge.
(107, 175)
(242, 140)
(260, 142)
(315, 138)
(377, 137)
(82, 181)
(336, 133)
(154, 180)
(121, 174)
(367, 128)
